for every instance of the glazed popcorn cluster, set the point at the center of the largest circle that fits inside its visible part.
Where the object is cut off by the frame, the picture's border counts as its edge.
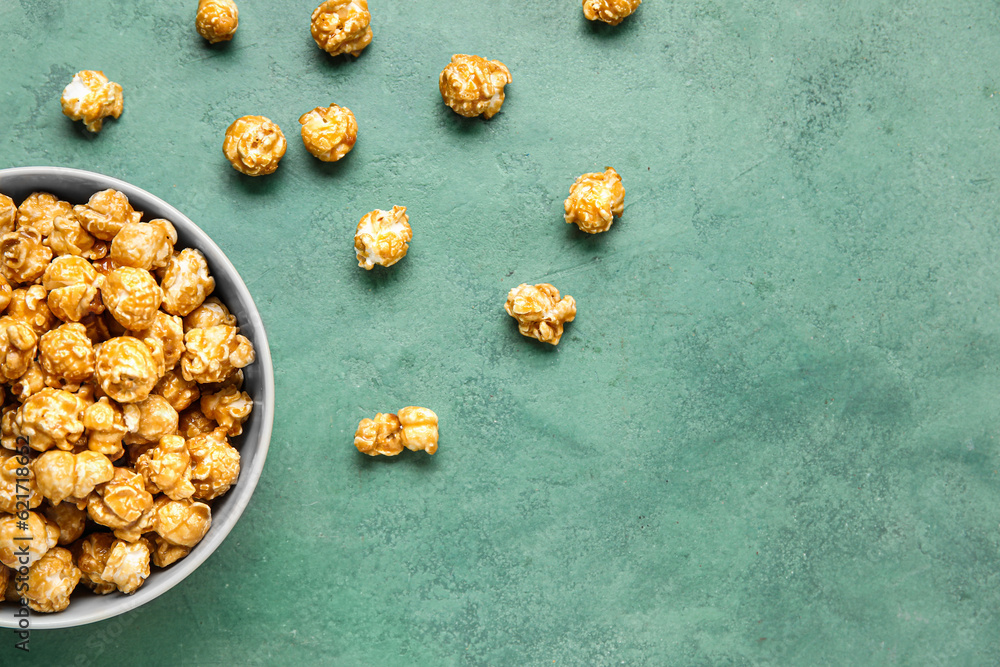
(413, 428)
(122, 389)
(90, 97)
(609, 11)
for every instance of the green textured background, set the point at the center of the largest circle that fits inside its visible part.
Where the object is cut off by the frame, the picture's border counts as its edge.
(770, 437)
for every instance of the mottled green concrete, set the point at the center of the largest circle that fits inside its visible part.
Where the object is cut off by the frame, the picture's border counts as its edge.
(769, 438)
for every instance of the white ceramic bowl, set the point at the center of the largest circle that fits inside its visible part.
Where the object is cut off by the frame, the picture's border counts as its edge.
(76, 186)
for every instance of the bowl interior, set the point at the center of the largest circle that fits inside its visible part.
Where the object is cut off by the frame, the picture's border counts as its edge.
(76, 186)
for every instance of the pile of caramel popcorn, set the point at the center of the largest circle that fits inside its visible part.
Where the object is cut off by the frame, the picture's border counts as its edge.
(122, 386)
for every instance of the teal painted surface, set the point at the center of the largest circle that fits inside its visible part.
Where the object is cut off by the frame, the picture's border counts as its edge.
(770, 437)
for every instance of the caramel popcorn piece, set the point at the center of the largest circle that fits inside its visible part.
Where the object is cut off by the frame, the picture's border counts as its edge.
(165, 553)
(593, 201)
(379, 436)
(6, 293)
(37, 535)
(28, 305)
(329, 134)
(144, 245)
(90, 97)
(105, 213)
(342, 26)
(193, 422)
(67, 352)
(68, 237)
(51, 580)
(168, 330)
(105, 428)
(120, 502)
(180, 393)
(51, 418)
(186, 282)
(132, 297)
(91, 557)
(182, 523)
(229, 408)
(73, 286)
(215, 464)
(12, 484)
(66, 476)
(8, 214)
(419, 429)
(217, 20)
(609, 11)
(473, 86)
(208, 314)
(167, 468)
(127, 369)
(254, 145)
(382, 237)
(539, 311)
(128, 565)
(18, 343)
(211, 354)
(70, 519)
(23, 256)
(39, 210)
(149, 420)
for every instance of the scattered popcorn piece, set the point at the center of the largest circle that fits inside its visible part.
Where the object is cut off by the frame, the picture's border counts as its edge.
(217, 20)
(382, 237)
(379, 436)
(254, 145)
(36, 534)
(419, 429)
(609, 11)
(594, 200)
(539, 311)
(91, 97)
(473, 86)
(51, 580)
(329, 133)
(128, 565)
(342, 26)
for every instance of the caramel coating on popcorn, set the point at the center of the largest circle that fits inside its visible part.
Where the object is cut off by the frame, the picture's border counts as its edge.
(70, 519)
(51, 580)
(8, 214)
(208, 314)
(68, 237)
(105, 428)
(144, 245)
(254, 145)
(105, 213)
(342, 26)
(211, 354)
(39, 210)
(186, 282)
(165, 553)
(28, 305)
(73, 288)
(5, 293)
(120, 502)
(382, 237)
(193, 422)
(215, 464)
(91, 557)
(473, 86)
(91, 97)
(39, 536)
(149, 420)
(182, 523)
(329, 133)
(51, 418)
(229, 408)
(67, 352)
(132, 297)
(167, 468)
(217, 20)
(419, 429)
(594, 200)
(180, 393)
(18, 343)
(609, 11)
(539, 311)
(23, 256)
(128, 565)
(17, 478)
(66, 476)
(168, 330)
(127, 369)
(379, 436)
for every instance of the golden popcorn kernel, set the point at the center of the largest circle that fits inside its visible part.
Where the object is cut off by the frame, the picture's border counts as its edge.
(51, 418)
(217, 20)
(342, 26)
(91, 97)
(73, 288)
(40, 210)
(193, 422)
(128, 565)
(229, 407)
(165, 553)
(18, 343)
(609, 11)
(539, 311)
(166, 468)
(8, 214)
(144, 245)
(6, 293)
(211, 354)
(594, 200)
(36, 534)
(168, 330)
(182, 523)
(127, 369)
(186, 282)
(70, 519)
(379, 436)
(17, 479)
(23, 256)
(121, 501)
(419, 429)
(329, 133)
(254, 145)
(382, 237)
(149, 420)
(29, 306)
(215, 465)
(180, 393)
(51, 580)
(66, 476)
(105, 213)
(473, 86)
(132, 297)
(91, 554)
(67, 352)
(105, 428)
(210, 313)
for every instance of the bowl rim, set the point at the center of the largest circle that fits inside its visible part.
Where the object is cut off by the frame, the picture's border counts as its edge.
(170, 577)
